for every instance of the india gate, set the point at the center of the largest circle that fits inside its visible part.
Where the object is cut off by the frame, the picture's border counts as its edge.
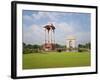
(71, 43)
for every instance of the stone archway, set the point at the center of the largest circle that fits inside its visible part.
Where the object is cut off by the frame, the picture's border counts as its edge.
(71, 43)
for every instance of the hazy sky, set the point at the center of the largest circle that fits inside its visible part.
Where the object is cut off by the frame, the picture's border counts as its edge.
(67, 24)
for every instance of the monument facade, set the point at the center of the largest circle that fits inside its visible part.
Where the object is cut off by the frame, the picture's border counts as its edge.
(71, 43)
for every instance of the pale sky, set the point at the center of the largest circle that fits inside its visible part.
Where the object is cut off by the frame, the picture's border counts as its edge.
(67, 24)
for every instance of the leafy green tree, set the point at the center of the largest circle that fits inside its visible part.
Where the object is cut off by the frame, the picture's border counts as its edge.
(80, 46)
(88, 45)
(29, 46)
(24, 45)
(36, 46)
(84, 47)
(57, 46)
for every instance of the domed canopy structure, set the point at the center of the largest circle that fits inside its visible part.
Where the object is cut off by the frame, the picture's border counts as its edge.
(49, 37)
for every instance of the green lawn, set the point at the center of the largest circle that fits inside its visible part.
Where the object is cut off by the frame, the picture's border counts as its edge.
(55, 60)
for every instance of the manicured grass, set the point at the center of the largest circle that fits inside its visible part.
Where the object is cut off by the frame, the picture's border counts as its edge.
(55, 60)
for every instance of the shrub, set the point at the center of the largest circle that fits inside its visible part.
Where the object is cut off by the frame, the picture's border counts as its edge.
(26, 51)
(82, 50)
(59, 50)
(35, 51)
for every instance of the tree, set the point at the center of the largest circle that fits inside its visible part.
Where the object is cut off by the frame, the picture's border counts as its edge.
(36, 46)
(29, 46)
(80, 46)
(84, 47)
(24, 45)
(88, 45)
(57, 45)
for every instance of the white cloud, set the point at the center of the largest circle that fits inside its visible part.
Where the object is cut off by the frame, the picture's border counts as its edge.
(50, 15)
(39, 15)
(64, 27)
(27, 17)
(33, 34)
